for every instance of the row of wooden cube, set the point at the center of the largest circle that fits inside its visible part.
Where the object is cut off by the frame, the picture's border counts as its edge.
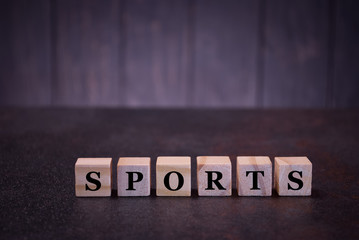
(292, 176)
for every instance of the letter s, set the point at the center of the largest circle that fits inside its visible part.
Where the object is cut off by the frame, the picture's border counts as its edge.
(94, 181)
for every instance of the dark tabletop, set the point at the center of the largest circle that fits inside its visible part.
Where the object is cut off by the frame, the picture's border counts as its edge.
(39, 147)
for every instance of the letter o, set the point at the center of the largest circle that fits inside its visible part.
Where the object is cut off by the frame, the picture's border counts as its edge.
(167, 181)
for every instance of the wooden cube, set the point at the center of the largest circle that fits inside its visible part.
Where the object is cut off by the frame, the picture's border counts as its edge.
(254, 176)
(214, 176)
(173, 176)
(133, 176)
(293, 176)
(93, 177)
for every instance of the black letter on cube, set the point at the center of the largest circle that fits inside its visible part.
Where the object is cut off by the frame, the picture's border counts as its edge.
(94, 181)
(131, 181)
(180, 181)
(255, 178)
(215, 181)
(296, 180)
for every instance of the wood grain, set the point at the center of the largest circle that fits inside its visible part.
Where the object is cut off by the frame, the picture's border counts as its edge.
(25, 53)
(173, 168)
(139, 166)
(247, 185)
(218, 169)
(299, 168)
(296, 51)
(99, 170)
(87, 53)
(225, 53)
(157, 52)
(346, 81)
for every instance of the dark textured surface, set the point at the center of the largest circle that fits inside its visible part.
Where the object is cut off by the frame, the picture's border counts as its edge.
(39, 147)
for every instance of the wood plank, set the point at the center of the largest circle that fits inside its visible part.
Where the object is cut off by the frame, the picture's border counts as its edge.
(346, 81)
(87, 48)
(226, 45)
(157, 52)
(25, 53)
(296, 52)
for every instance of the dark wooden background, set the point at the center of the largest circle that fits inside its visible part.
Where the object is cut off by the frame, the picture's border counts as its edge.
(179, 53)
